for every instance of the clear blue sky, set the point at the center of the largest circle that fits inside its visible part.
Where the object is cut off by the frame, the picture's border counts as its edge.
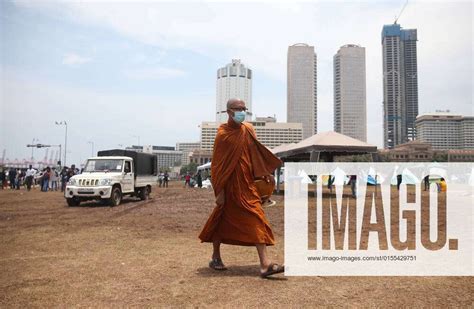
(118, 70)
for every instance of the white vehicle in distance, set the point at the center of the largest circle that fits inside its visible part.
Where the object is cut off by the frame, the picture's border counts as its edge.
(112, 175)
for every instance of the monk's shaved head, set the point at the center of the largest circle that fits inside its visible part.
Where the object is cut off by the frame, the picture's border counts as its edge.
(234, 102)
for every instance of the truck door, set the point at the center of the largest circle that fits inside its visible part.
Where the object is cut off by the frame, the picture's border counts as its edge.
(127, 182)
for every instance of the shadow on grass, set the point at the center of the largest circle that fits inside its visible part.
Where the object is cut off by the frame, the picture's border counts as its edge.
(100, 203)
(237, 271)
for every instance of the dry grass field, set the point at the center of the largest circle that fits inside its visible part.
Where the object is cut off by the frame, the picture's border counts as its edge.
(147, 254)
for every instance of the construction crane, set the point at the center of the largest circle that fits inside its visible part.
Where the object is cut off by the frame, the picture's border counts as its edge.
(403, 8)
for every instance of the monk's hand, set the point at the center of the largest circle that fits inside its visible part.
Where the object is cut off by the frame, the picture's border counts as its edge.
(220, 198)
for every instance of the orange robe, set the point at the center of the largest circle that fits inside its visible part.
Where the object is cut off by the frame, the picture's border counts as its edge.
(239, 158)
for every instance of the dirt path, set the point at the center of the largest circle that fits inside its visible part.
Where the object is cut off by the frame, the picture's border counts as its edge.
(147, 254)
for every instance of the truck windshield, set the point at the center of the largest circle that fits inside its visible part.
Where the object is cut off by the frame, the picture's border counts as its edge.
(105, 165)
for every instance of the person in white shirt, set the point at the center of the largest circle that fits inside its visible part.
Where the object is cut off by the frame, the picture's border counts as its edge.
(53, 180)
(30, 173)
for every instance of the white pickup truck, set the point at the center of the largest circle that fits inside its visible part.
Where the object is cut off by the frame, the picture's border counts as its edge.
(111, 175)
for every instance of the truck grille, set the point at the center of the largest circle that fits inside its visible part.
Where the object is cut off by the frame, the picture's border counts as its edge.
(88, 182)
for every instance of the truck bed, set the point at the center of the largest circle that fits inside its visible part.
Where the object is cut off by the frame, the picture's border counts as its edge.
(144, 164)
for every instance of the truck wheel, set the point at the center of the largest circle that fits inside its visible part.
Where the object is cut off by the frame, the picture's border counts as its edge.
(115, 197)
(144, 193)
(73, 201)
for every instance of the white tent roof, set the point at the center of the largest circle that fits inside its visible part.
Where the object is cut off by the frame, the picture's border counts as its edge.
(204, 166)
(281, 148)
(326, 141)
(331, 138)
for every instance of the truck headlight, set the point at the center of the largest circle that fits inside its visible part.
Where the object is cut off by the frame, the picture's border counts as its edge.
(72, 182)
(105, 182)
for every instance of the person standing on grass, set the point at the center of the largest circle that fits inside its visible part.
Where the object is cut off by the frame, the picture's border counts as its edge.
(46, 178)
(166, 178)
(12, 177)
(331, 182)
(18, 179)
(199, 179)
(2, 178)
(426, 181)
(238, 218)
(71, 172)
(54, 180)
(187, 180)
(63, 176)
(399, 181)
(30, 174)
(353, 182)
(160, 179)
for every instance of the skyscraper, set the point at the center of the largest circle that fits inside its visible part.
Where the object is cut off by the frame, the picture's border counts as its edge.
(350, 115)
(400, 84)
(233, 81)
(302, 87)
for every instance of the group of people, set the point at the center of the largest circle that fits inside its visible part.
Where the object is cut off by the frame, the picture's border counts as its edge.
(191, 181)
(48, 179)
(441, 184)
(11, 178)
(352, 182)
(163, 179)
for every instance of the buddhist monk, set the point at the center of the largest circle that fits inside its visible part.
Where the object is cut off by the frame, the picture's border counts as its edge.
(238, 218)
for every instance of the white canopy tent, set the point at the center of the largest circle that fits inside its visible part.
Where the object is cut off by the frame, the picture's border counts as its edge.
(204, 166)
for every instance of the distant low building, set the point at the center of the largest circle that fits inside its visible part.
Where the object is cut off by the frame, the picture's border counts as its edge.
(167, 155)
(460, 155)
(269, 132)
(265, 119)
(417, 151)
(414, 151)
(444, 130)
(200, 156)
(187, 148)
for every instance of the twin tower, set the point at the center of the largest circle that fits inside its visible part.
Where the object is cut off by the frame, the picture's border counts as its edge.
(400, 87)
(349, 90)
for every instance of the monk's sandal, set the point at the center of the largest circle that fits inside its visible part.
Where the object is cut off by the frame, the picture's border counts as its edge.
(272, 269)
(217, 264)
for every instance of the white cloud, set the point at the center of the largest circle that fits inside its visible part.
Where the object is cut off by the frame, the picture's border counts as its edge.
(154, 73)
(73, 59)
